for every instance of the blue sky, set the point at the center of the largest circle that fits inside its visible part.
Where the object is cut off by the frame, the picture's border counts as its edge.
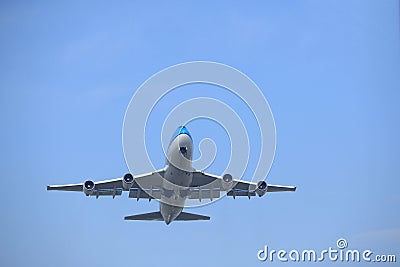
(329, 69)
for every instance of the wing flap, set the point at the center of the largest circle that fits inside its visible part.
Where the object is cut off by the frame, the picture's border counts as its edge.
(204, 193)
(107, 192)
(241, 193)
(147, 193)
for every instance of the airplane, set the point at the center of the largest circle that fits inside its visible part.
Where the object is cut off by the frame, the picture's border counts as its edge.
(174, 184)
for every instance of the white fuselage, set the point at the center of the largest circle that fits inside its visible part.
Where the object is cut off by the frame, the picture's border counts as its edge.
(177, 176)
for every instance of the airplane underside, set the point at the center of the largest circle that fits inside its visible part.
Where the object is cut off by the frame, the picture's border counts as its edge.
(174, 184)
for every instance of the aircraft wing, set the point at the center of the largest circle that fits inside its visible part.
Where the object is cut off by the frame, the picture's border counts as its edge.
(209, 182)
(114, 187)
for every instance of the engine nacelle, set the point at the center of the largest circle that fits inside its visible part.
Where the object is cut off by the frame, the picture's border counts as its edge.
(88, 187)
(227, 182)
(127, 181)
(262, 188)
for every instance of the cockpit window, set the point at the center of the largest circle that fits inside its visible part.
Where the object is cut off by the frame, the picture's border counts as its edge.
(183, 150)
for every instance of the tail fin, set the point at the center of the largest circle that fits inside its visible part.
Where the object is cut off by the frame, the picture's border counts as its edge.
(156, 216)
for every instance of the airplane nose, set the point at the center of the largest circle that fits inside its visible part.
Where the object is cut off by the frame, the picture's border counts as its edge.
(184, 130)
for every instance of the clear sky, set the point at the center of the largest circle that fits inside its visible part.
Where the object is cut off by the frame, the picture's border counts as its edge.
(329, 69)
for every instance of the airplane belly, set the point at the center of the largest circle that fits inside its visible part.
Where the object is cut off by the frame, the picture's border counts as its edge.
(175, 186)
(178, 177)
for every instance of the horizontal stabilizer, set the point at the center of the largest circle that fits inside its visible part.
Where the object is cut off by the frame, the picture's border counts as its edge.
(152, 216)
(156, 216)
(184, 216)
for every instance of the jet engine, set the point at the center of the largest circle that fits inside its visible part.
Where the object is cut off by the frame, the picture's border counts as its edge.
(88, 187)
(127, 181)
(262, 188)
(227, 182)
